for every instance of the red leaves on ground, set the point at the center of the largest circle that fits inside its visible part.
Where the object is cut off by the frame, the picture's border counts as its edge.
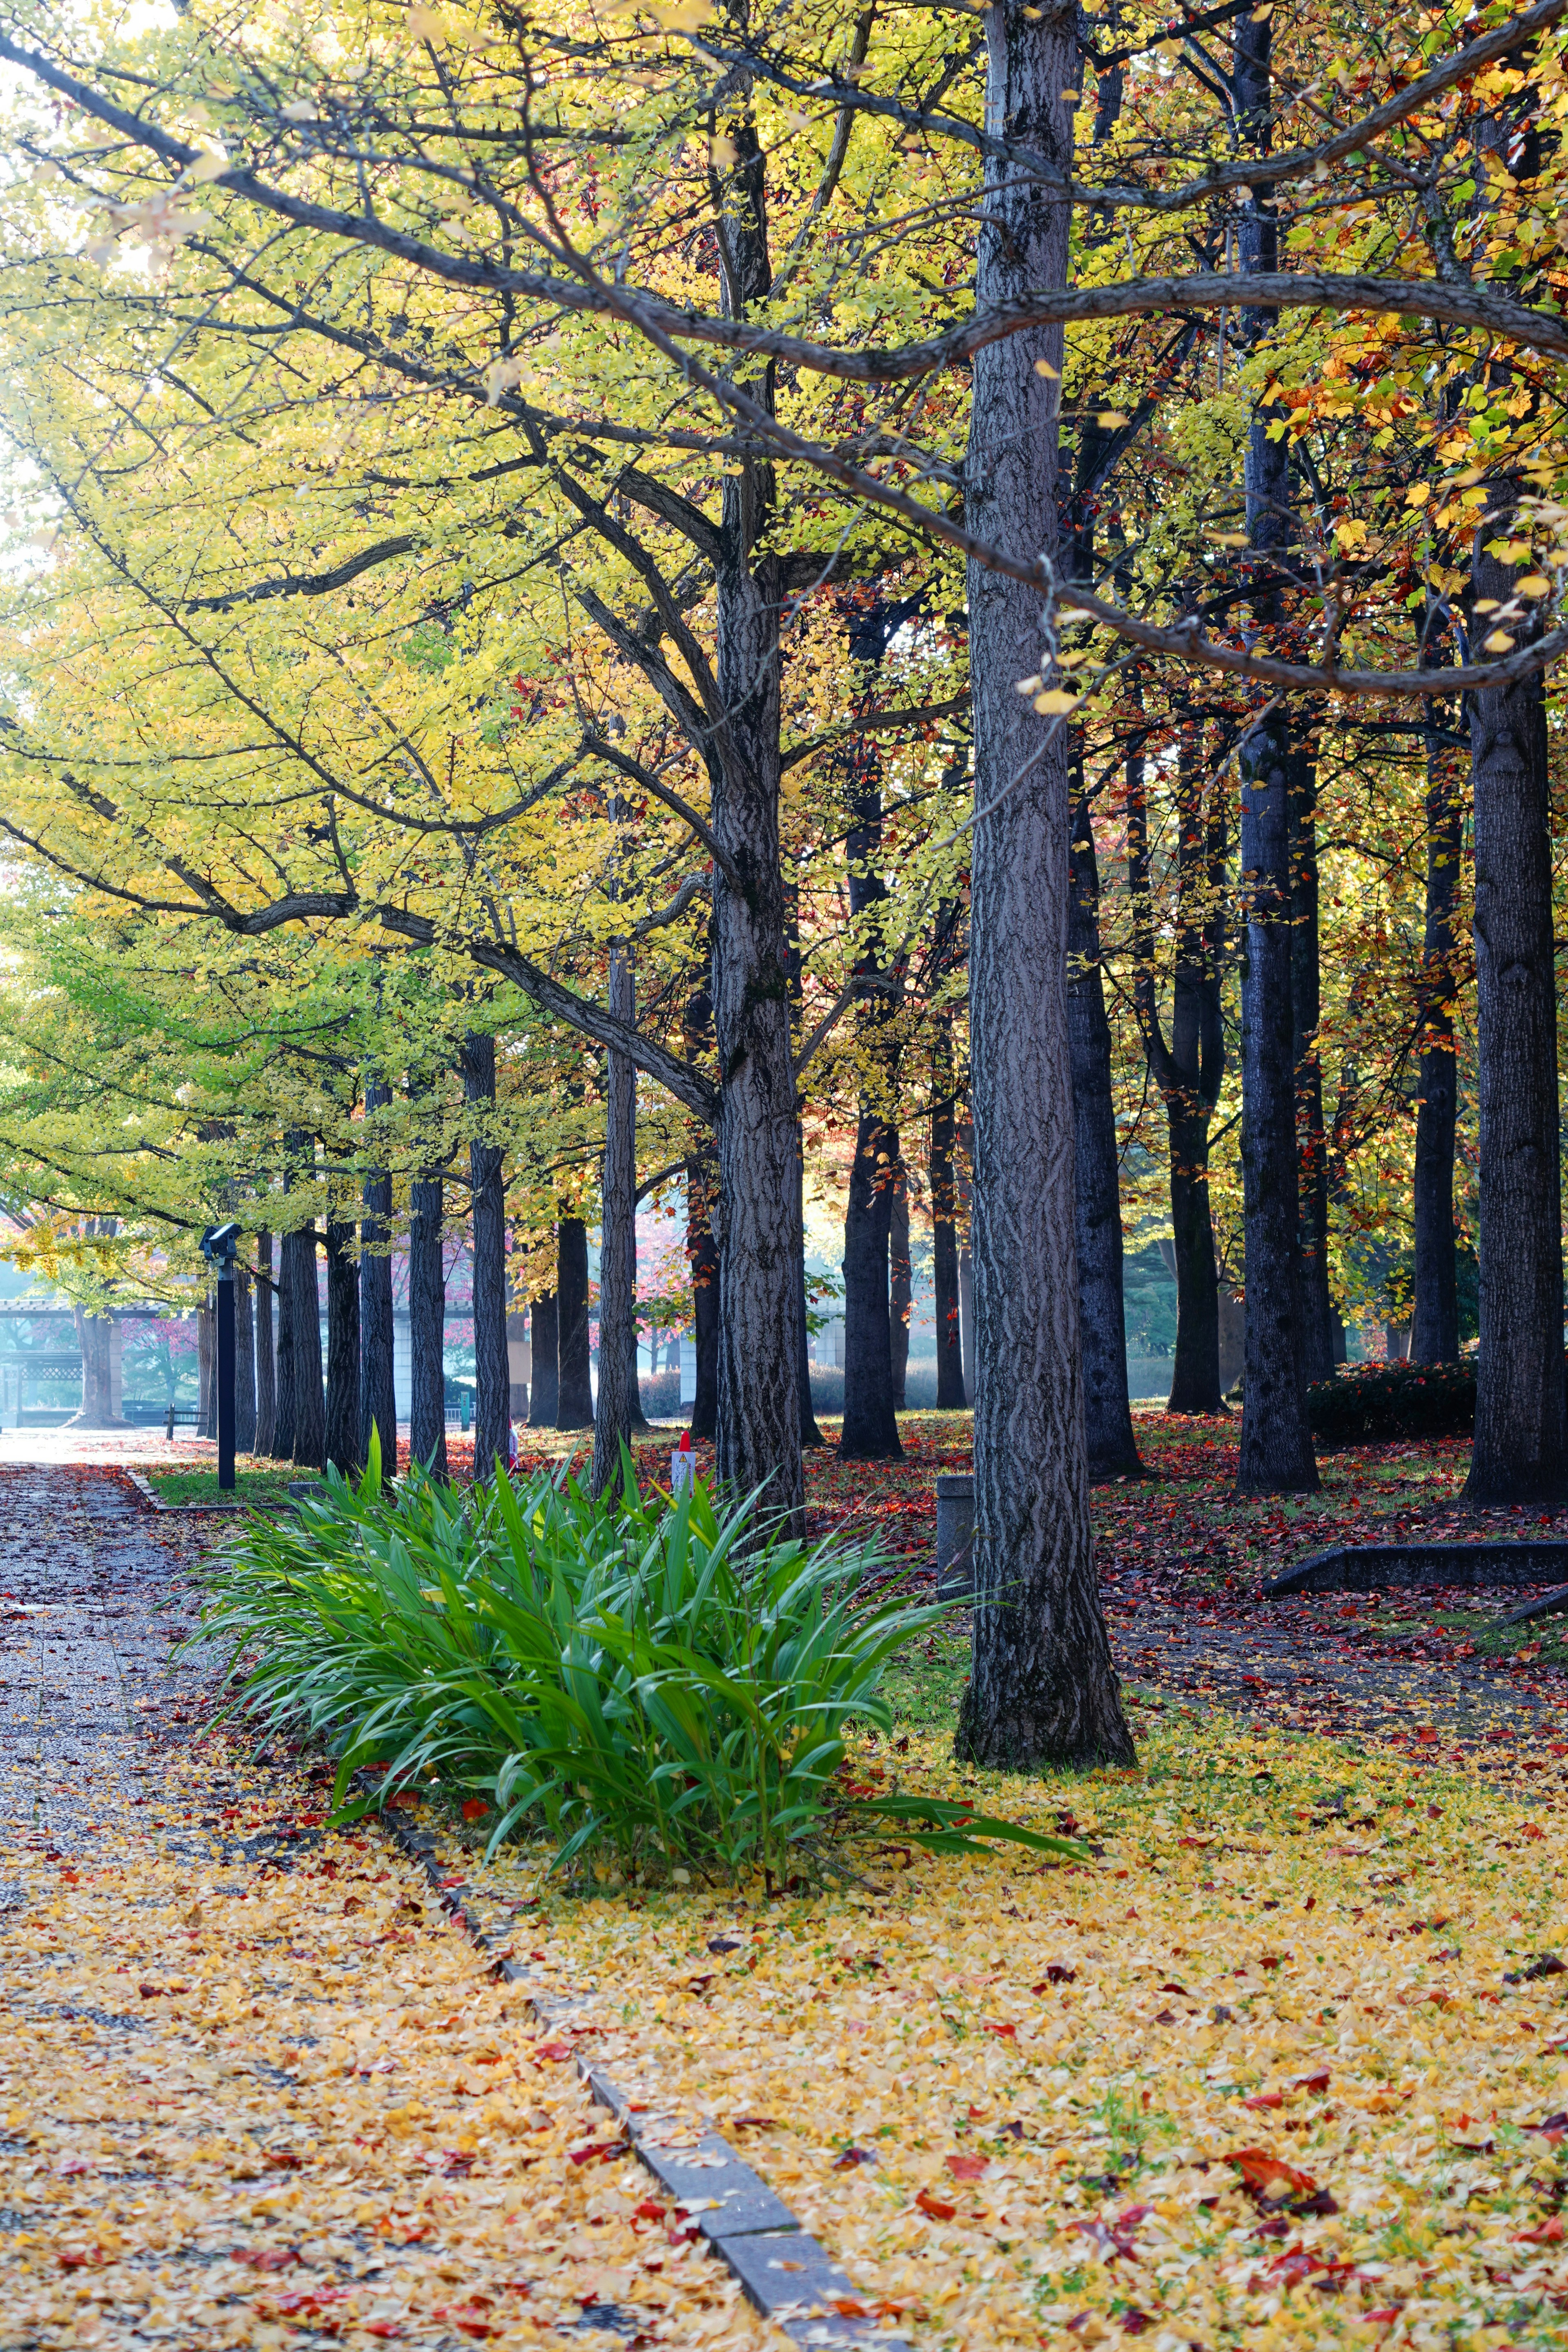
(936, 2209)
(968, 2168)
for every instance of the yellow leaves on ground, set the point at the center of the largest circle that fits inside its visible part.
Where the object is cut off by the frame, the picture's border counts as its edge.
(246, 2106)
(1259, 2076)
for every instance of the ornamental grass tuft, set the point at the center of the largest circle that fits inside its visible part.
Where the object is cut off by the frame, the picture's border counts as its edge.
(663, 1685)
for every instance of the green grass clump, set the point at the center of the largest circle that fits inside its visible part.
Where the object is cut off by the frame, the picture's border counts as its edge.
(658, 1684)
(189, 1486)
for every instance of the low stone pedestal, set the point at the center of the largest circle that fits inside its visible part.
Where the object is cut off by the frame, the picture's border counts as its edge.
(954, 1532)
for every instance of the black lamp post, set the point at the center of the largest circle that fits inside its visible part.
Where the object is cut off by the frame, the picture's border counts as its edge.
(218, 1245)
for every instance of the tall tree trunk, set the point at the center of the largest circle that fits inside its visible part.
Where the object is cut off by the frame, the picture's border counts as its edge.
(544, 1389)
(870, 1431)
(702, 1243)
(341, 1440)
(1311, 1145)
(967, 1257)
(1197, 1055)
(377, 1396)
(1276, 1442)
(426, 1324)
(1043, 1690)
(900, 1286)
(206, 1418)
(575, 1394)
(284, 1409)
(96, 1409)
(810, 1434)
(310, 1400)
(244, 1363)
(492, 1371)
(613, 1414)
(1435, 1332)
(759, 1331)
(266, 1359)
(950, 1396)
(1520, 1453)
(1097, 1173)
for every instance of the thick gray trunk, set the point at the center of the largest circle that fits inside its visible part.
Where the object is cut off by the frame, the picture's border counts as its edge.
(377, 1401)
(492, 1371)
(310, 1398)
(95, 1338)
(427, 1327)
(575, 1387)
(1276, 1442)
(343, 1417)
(1097, 1175)
(544, 1389)
(613, 1414)
(1311, 1144)
(1521, 1431)
(870, 1431)
(244, 1363)
(1042, 1688)
(1435, 1333)
(266, 1359)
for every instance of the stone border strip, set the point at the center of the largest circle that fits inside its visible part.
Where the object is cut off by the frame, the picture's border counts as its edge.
(788, 2275)
(175, 1510)
(1374, 1568)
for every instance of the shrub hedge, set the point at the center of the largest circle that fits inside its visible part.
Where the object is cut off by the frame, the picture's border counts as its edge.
(1364, 1403)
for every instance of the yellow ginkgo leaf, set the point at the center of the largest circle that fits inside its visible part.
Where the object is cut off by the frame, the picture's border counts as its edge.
(1534, 583)
(302, 110)
(723, 154)
(1418, 493)
(1109, 418)
(1044, 367)
(1054, 700)
(1500, 642)
(210, 165)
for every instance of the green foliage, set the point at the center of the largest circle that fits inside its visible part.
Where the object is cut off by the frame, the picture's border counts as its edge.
(664, 1685)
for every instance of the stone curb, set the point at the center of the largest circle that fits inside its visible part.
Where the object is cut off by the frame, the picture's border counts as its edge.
(788, 2275)
(175, 1510)
(1377, 1568)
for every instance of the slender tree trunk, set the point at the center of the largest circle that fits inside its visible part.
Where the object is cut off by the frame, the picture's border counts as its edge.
(544, 1390)
(967, 1261)
(1435, 1333)
(377, 1396)
(284, 1414)
(870, 1431)
(341, 1440)
(265, 1359)
(426, 1326)
(760, 1331)
(900, 1286)
(701, 1242)
(1097, 1172)
(1520, 1453)
(1276, 1442)
(1311, 1145)
(810, 1434)
(243, 1364)
(1197, 1059)
(613, 1414)
(309, 1401)
(575, 1399)
(1043, 1690)
(492, 1371)
(207, 1423)
(950, 1396)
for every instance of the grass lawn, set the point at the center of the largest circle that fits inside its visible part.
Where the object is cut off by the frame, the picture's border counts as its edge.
(189, 1485)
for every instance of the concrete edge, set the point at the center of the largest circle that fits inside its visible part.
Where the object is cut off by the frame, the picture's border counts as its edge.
(1369, 1568)
(790, 2277)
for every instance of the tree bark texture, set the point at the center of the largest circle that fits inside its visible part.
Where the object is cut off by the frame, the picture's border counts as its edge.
(94, 1337)
(342, 1440)
(574, 1400)
(206, 1417)
(1520, 1453)
(1435, 1332)
(544, 1389)
(701, 1244)
(377, 1396)
(266, 1359)
(1311, 1144)
(283, 1417)
(950, 1396)
(309, 1398)
(1042, 1687)
(900, 1286)
(1097, 1172)
(492, 1371)
(1276, 1442)
(244, 1363)
(759, 1333)
(427, 1327)
(612, 1415)
(1189, 1068)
